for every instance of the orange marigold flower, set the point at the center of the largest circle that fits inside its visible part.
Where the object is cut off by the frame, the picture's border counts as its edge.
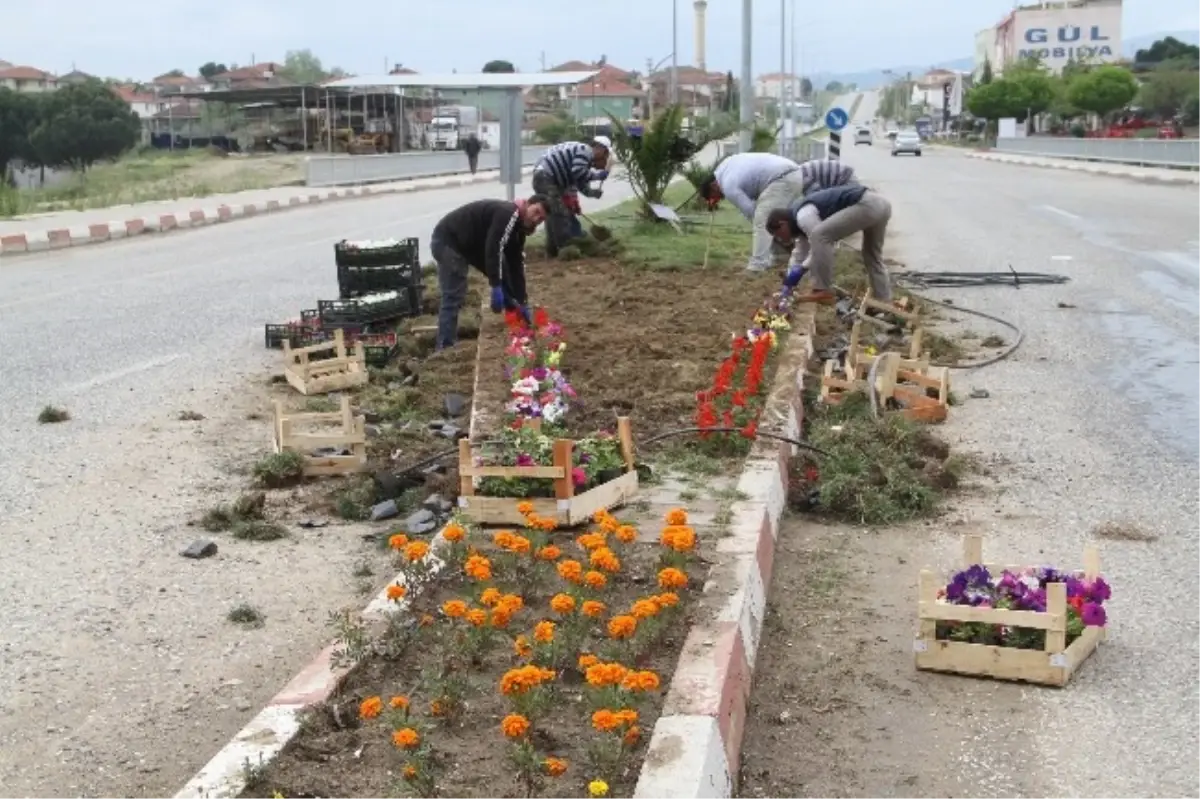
(671, 577)
(595, 579)
(502, 538)
(570, 570)
(667, 600)
(500, 618)
(590, 541)
(437, 708)
(454, 608)
(676, 516)
(521, 647)
(416, 550)
(632, 736)
(593, 608)
(520, 680)
(622, 626)
(510, 602)
(610, 525)
(554, 766)
(543, 523)
(586, 661)
(562, 603)
(640, 681)
(549, 552)
(515, 725)
(396, 592)
(406, 738)
(489, 597)
(520, 545)
(478, 567)
(644, 609)
(626, 533)
(603, 558)
(454, 532)
(543, 633)
(426, 620)
(680, 539)
(477, 616)
(398, 541)
(603, 674)
(605, 720)
(398, 703)
(599, 516)
(409, 772)
(525, 507)
(370, 707)
(627, 716)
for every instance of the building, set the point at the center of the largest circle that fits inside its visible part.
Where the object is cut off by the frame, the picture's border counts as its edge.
(602, 96)
(771, 85)
(252, 77)
(175, 84)
(699, 91)
(985, 52)
(27, 79)
(75, 76)
(1055, 32)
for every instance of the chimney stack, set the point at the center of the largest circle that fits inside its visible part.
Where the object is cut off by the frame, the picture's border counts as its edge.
(701, 7)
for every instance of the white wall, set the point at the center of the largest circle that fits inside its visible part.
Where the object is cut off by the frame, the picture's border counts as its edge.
(1056, 34)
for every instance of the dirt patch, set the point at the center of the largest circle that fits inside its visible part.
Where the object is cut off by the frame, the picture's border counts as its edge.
(337, 753)
(640, 342)
(838, 708)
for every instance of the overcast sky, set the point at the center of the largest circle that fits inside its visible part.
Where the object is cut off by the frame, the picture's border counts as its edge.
(143, 38)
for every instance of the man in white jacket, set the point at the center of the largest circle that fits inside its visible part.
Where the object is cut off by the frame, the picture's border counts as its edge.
(757, 183)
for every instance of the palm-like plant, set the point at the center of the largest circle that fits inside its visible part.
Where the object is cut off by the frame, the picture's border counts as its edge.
(654, 159)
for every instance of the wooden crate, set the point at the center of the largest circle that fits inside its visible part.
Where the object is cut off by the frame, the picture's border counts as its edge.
(351, 435)
(1053, 666)
(310, 375)
(567, 507)
(904, 380)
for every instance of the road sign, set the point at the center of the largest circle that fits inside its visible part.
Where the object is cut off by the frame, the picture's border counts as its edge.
(836, 118)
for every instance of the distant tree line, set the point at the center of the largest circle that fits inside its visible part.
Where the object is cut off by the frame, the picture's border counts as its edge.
(75, 126)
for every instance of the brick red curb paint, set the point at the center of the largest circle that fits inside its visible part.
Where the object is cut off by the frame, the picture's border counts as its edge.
(97, 233)
(695, 749)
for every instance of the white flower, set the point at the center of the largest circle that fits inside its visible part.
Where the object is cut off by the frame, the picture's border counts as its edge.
(554, 411)
(527, 386)
(382, 296)
(369, 244)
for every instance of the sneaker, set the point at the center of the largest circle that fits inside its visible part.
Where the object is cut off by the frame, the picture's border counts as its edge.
(753, 267)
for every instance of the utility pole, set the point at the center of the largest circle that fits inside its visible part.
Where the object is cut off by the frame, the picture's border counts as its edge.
(674, 51)
(746, 117)
(784, 106)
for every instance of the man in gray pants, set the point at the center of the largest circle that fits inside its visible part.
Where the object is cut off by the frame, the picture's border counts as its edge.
(758, 182)
(813, 226)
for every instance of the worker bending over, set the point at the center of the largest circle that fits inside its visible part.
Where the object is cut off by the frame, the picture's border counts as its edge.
(757, 183)
(490, 236)
(812, 227)
(569, 166)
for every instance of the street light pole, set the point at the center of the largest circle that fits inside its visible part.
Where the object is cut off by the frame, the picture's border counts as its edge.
(746, 117)
(674, 51)
(784, 107)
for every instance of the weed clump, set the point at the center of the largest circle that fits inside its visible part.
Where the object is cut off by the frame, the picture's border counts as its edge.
(52, 415)
(279, 469)
(246, 615)
(258, 530)
(247, 507)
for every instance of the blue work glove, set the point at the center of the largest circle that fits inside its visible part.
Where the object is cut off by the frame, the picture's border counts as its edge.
(497, 299)
(600, 174)
(794, 276)
(525, 314)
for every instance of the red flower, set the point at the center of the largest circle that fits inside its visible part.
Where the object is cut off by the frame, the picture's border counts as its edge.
(541, 318)
(751, 429)
(811, 474)
(739, 399)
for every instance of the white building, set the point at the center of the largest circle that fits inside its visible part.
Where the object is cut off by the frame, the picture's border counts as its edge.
(1055, 32)
(771, 85)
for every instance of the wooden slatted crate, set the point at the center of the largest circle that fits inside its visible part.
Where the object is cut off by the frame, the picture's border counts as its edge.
(297, 432)
(1054, 666)
(567, 507)
(320, 375)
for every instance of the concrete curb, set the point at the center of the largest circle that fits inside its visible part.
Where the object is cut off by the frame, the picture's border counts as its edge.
(1184, 178)
(61, 238)
(695, 749)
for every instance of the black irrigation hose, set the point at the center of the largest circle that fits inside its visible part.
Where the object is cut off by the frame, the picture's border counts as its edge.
(978, 364)
(955, 280)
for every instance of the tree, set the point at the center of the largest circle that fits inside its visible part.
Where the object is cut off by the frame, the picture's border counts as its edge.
(1103, 90)
(998, 100)
(301, 66)
(1167, 90)
(806, 88)
(834, 86)
(1167, 49)
(499, 66)
(654, 159)
(83, 124)
(18, 115)
(985, 75)
(212, 68)
(175, 73)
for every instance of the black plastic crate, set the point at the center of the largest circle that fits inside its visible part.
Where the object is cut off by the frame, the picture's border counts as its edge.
(298, 333)
(357, 313)
(355, 281)
(405, 253)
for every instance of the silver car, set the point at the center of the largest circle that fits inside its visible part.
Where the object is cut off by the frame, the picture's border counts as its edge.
(906, 141)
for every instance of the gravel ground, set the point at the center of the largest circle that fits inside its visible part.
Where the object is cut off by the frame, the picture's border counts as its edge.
(122, 675)
(1095, 421)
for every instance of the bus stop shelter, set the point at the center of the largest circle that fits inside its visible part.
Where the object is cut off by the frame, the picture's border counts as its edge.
(512, 111)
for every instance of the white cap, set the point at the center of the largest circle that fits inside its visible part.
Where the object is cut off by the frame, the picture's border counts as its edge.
(603, 141)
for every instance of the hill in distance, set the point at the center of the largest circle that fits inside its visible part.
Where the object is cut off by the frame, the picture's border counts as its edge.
(874, 78)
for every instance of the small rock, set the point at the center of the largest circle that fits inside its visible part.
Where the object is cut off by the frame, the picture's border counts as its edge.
(454, 404)
(437, 468)
(395, 385)
(437, 424)
(980, 393)
(371, 417)
(310, 524)
(411, 380)
(384, 510)
(437, 503)
(242, 704)
(201, 548)
(373, 430)
(1065, 305)
(423, 521)
(449, 431)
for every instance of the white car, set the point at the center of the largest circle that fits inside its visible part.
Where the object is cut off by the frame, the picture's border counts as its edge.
(862, 136)
(906, 141)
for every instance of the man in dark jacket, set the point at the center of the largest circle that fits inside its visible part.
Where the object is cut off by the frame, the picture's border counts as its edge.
(471, 147)
(490, 236)
(813, 225)
(566, 167)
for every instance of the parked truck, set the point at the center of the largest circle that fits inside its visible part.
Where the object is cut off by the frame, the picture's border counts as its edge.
(451, 125)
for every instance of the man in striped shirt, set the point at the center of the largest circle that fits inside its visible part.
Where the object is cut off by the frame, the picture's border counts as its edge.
(565, 167)
(757, 183)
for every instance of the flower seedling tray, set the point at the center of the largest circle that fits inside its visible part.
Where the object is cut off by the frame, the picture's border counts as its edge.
(406, 252)
(358, 312)
(297, 332)
(355, 281)
(1053, 666)
(342, 450)
(321, 368)
(567, 507)
(378, 348)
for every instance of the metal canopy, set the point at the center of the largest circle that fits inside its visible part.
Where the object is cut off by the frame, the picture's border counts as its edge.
(286, 96)
(462, 80)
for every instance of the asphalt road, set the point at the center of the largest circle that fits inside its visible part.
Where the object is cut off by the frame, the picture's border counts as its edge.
(112, 647)
(1094, 419)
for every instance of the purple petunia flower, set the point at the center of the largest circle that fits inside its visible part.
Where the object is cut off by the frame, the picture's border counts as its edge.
(1093, 615)
(1099, 591)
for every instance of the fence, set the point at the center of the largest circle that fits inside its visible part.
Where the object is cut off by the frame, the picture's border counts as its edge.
(802, 149)
(341, 170)
(1181, 153)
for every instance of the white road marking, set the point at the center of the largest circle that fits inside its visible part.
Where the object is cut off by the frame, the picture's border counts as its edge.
(108, 377)
(1061, 212)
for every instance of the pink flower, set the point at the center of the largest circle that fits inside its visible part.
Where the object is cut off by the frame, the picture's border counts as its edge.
(578, 476)
(525, 459)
